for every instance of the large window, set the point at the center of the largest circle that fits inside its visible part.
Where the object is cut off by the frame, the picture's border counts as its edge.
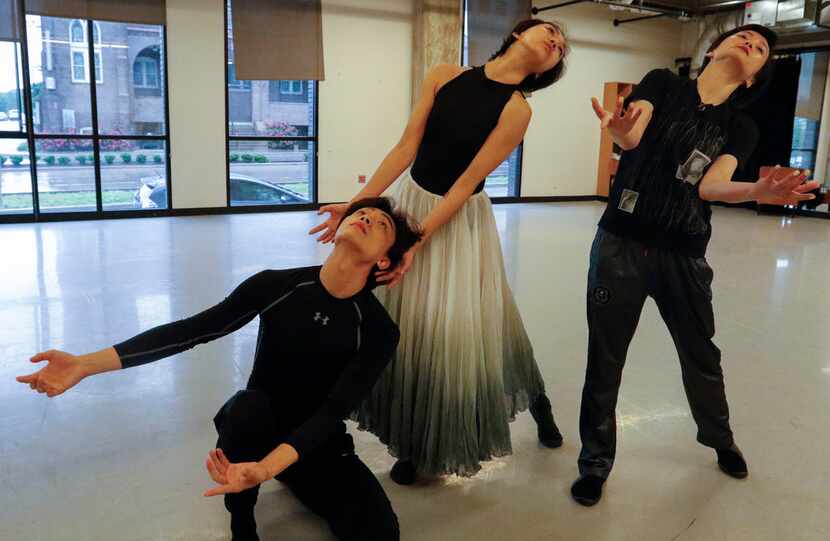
(505, 180)
(272, 138)
(806, 126)
(89, 146)
(99, 147)
(15, 176)
(805, 143)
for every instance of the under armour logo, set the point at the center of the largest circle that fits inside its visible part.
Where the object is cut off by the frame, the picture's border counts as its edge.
(600, 295)
(319, 317)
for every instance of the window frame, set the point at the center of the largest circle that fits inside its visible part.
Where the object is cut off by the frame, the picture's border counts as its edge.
(313, 140)
(516, 190)
(33, 136)
(813, 150)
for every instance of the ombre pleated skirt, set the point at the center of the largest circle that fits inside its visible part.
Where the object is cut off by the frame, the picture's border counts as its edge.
(464, 365)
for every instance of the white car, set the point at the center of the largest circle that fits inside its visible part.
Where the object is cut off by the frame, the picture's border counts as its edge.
(245, 190)
(14, 114)
(3, 116)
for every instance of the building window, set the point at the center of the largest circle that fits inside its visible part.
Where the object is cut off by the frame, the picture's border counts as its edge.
(99, 72)
(79, 67)
(287, 91)
(79, 52)
(80, 70)
(77, 33)
(291, 87)
(146, 73)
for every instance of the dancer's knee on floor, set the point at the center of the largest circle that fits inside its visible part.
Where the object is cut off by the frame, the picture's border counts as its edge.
(246, 407)
(383, 529)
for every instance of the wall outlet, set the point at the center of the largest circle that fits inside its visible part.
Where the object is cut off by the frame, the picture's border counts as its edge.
(361, 179)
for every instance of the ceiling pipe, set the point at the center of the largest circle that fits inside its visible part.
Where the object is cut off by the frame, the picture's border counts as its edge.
(638, 6)
(700, 8)
(618, 22)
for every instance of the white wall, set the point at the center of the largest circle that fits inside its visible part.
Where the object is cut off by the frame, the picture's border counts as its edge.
(562, 144)
(365, 99)
(196, 68)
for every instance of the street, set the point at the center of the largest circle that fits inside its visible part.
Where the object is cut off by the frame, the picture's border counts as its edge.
(16, 179)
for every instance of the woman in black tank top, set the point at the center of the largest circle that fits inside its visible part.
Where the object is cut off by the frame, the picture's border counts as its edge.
(464, 366)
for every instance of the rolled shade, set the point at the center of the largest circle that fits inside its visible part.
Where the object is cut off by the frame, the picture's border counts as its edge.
(125, 11)
(488, 23)
(277, 40)
(9, 27)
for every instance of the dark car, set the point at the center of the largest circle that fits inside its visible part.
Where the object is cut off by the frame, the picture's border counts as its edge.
(152, 194)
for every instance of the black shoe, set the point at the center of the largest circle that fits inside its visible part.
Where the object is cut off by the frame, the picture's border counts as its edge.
(243, 527)
(403, 472)
(732, 462)
(546, 428)
(587, 490)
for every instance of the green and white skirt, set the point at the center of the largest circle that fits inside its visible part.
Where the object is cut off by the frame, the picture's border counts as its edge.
(464, 365)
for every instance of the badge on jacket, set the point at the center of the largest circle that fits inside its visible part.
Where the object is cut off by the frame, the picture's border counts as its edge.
(694, 168)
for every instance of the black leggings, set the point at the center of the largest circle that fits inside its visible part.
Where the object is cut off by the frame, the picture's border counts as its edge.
(623, 272)
(332, 482)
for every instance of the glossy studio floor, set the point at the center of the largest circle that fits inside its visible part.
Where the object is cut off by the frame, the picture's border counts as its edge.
(121, 456)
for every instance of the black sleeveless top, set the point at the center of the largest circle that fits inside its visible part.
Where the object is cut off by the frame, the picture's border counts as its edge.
(465, 111)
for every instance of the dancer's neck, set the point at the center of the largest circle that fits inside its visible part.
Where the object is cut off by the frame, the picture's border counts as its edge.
(344, 273)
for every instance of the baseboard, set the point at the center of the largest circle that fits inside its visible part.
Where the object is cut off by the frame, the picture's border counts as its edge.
(546, 199)
(161, 213)
(214, 211)
(794, 212)
(748, 205)
(775, 210)
(218, 211)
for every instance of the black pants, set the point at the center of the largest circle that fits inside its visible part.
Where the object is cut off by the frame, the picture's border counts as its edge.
(623, 272)
(332, 482)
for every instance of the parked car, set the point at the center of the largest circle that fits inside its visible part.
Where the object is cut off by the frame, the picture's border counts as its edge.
(245, 190)
(3, 116)
(14, 114)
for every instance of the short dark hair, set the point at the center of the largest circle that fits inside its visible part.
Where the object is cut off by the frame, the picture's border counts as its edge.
(744, 96)
(407, 230)
(535, 82)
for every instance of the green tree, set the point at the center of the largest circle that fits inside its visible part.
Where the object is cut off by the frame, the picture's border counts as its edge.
(13, 100)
